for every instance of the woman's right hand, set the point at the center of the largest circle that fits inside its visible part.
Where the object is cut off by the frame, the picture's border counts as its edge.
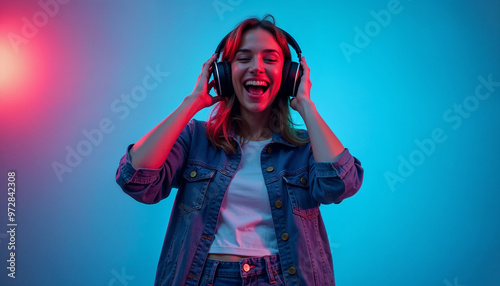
(200, 94)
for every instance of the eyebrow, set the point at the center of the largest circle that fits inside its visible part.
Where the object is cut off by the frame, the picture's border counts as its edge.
(265, 51)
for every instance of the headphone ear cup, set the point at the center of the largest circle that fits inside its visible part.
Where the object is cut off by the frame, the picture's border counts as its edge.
(227, 82)
(223, 80)
(284, 78)
(292, 79)
(215, 73)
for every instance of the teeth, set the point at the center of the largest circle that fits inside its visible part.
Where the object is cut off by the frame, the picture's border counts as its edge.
(256, 83)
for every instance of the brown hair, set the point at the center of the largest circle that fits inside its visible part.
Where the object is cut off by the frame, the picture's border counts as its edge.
(226, 115)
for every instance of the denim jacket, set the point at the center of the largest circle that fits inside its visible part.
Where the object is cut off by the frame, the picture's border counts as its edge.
(296, 185)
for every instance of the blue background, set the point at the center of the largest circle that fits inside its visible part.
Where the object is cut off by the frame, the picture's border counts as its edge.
(422, 217)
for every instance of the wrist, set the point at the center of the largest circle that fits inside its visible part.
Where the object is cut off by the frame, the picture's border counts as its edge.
(305, 107)
(192, 104)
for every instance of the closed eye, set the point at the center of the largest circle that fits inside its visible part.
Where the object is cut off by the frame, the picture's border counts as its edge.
(271, 60)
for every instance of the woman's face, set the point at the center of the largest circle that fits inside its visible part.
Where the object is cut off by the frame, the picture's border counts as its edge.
(256, 70)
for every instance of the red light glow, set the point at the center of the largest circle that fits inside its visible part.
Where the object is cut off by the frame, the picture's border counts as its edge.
(12, 70)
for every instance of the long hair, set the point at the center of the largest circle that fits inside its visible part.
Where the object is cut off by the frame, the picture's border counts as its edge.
(226, 115)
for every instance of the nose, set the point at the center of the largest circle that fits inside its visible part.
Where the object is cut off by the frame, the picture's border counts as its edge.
(256, 66)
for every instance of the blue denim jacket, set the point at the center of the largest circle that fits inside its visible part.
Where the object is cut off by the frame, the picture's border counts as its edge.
(296, 185)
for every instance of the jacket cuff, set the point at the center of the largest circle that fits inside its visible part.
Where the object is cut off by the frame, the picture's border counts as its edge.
(129, 174)
(338, 168)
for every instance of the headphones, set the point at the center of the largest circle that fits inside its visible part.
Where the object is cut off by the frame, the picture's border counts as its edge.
(292, 71)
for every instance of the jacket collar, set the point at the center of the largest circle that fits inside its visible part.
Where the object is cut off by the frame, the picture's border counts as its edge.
(277, 138)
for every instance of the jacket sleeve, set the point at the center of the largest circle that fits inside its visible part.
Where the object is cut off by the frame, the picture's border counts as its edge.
(333, 182)
(150, 186)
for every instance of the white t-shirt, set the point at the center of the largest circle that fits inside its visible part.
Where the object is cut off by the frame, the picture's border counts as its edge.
(245, 225)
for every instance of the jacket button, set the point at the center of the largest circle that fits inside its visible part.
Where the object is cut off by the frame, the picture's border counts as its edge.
(193, 174)
(246, 267)
(292, 270)
(285, 236)
(303, 180)
(270, 169)
(278, 204)
(269, 150)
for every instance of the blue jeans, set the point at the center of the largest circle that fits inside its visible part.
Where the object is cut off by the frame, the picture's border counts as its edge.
(249, 271)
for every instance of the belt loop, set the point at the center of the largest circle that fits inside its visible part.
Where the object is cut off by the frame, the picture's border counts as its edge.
(270, 273)
(211, 275)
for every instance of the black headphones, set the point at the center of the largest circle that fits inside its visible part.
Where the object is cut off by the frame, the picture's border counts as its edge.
(292, 71)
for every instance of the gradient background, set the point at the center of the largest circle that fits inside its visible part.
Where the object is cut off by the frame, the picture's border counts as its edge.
(439, 226)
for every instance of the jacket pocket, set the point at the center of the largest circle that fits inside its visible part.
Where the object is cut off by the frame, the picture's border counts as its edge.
(303, 203)
(196, 183)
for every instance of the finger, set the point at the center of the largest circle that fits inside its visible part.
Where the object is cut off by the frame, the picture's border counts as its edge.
(212, 58)
(292, 103)
(211, 84)
(216, 99)
(206, 66)
(303, 60)
(304, 65)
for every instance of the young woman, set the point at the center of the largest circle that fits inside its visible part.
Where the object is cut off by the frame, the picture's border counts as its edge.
(249, 184)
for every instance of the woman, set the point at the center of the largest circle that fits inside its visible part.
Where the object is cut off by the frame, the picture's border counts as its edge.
(249, 184)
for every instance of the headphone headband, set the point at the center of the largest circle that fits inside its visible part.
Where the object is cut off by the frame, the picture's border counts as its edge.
(289, 39)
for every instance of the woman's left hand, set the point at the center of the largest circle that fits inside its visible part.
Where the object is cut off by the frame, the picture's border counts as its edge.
(304, 91)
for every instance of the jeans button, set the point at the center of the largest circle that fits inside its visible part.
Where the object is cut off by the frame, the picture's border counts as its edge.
(246, 267)
(285, 236)
(292, 270)
(278, 204)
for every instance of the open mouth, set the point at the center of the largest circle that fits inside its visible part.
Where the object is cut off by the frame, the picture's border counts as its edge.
(256, 87)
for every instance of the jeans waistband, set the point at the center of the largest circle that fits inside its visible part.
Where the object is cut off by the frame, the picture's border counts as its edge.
(248, 266)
